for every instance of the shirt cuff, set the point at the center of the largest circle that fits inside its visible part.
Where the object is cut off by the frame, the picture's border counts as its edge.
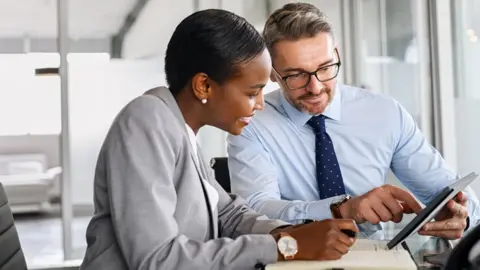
(320, 210)
(267, 226)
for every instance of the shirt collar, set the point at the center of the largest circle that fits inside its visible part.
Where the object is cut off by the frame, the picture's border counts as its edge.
(333, 110)
(192, 137)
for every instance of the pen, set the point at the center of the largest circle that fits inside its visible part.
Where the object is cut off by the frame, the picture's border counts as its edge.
(349, 233)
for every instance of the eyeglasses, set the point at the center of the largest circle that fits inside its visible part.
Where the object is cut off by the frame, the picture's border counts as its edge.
(302, 79)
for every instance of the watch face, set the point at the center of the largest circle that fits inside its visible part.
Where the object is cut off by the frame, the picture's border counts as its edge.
(287, 246)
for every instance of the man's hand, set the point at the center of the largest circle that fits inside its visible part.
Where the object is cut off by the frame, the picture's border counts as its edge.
(385, 203)
(320, 240)
(451, 221)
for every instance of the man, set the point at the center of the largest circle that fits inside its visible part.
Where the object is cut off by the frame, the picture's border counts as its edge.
(317, 142)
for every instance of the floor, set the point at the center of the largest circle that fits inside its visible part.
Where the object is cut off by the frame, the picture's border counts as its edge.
(41, 238)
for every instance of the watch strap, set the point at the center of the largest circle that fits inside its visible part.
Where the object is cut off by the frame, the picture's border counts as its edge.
(335, 207)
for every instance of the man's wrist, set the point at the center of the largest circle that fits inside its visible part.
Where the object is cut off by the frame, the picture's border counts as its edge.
(336, 213)
(337, 205)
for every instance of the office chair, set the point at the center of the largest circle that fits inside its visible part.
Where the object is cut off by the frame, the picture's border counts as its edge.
(458, 259)
(220, 167)
(11, 254)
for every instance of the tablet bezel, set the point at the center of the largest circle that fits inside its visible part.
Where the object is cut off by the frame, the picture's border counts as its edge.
(429, 212)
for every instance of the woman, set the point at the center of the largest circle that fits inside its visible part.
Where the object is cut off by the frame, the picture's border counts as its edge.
(157, 205)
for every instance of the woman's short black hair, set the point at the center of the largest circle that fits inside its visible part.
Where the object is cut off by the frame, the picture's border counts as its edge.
(211, 41)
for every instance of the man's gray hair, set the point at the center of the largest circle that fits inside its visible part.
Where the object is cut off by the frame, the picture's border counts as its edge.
(295, 21)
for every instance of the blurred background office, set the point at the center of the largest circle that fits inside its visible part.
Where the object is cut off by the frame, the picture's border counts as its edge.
(68, 66)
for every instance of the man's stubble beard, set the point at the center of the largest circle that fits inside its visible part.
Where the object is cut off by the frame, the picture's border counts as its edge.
(301, 107)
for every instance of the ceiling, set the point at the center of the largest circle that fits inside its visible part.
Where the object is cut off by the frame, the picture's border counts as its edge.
(38, 18)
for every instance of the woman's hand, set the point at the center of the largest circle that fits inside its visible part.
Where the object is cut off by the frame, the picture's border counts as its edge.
(320, 240)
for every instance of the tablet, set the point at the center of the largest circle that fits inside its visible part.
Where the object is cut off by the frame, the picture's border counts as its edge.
(429, 212)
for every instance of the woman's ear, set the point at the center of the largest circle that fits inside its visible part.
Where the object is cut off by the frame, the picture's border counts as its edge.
(200, 86)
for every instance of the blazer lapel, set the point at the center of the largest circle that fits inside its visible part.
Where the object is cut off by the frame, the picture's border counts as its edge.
(203, 176)
(164, 94)
(203, 169)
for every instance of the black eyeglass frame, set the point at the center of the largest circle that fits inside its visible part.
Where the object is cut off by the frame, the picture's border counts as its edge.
(313, 73)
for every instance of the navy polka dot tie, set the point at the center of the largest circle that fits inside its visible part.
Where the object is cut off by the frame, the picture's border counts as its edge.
(329, 177)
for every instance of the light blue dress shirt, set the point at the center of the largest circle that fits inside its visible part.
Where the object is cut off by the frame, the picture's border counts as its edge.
(272, 163)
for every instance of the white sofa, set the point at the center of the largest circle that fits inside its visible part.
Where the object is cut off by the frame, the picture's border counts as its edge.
(27, 181)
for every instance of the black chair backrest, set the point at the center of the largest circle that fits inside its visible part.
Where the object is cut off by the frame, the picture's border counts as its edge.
(220, 166)
(11, 254)
(458, 259)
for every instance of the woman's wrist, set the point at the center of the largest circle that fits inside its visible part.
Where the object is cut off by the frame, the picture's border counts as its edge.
(276, 235)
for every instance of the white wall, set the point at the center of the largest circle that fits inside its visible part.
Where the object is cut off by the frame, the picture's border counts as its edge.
(98, 91)
(151, 32)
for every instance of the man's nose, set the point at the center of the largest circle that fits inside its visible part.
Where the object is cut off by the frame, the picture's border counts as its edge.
(314, 86)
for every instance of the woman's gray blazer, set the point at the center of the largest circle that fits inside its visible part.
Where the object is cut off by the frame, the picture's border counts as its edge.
(150, 206)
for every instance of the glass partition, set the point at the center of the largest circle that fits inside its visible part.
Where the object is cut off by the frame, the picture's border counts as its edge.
(392, 57)
(466, 27)
(393, 52)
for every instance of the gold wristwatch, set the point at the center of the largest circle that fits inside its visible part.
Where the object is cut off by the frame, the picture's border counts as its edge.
(287, 246)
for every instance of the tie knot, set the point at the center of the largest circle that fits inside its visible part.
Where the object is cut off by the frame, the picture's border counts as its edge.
(317, 123)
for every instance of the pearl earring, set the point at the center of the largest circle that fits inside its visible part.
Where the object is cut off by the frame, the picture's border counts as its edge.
(204, 101)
